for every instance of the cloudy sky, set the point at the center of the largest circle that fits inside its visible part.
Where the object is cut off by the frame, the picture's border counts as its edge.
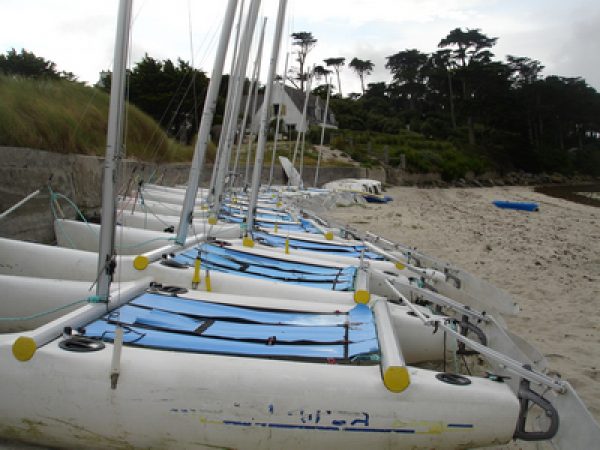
(78, 35)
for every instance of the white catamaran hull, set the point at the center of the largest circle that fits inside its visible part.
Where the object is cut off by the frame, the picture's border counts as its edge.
(169, 197)
(470, 291)
(130, 204)
(24, 299)
(166, 399)
(157, 222)
(128, 240)
(78, 268)
(72, 234)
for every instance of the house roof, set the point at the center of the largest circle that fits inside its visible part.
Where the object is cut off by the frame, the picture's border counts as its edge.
(314, 103)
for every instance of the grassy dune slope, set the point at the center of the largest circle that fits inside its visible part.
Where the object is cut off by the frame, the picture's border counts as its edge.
(67, 117)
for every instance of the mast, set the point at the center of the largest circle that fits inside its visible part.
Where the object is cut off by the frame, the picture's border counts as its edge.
(264, 118)
(250, 138)
(254, 82)
(114, 144)
(322, 134)
(302, 129)
(231, 116)
(305, 124)
(281, 93)
(210, 105)
(236, 46)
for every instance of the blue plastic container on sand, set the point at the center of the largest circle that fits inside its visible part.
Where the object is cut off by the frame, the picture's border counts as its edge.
(523, 206)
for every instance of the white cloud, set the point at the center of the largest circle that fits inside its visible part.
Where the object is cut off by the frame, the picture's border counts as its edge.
(78, 35)
(563, 36)
(360, 12)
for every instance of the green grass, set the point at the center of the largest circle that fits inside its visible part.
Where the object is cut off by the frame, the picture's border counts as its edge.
(66, 117)
(286, 148)
(422, 154)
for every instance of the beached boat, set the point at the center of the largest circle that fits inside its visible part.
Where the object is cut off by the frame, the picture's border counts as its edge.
(370, 190)
(252, 378)
(324, 240)
(235, 268)
(127, 204)
(411, 334)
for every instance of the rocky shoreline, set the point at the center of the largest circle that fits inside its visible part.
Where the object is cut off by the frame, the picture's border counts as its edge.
(509, 179)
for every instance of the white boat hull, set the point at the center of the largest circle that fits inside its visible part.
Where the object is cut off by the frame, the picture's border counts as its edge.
(167, 399)
(169, 209)
(128, 240)
(23, 299)
(169, 196)
(157, 222)
(81, 266)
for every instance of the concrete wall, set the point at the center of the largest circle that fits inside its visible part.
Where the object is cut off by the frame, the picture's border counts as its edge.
(401, 177)
(79, 177)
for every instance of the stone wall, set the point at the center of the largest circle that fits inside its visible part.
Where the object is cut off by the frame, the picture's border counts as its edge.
(399, 177)
(79, 177)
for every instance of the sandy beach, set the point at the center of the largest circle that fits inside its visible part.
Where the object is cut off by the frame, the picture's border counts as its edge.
(548, 260)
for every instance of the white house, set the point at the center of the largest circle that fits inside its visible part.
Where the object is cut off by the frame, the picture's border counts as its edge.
(291, 102)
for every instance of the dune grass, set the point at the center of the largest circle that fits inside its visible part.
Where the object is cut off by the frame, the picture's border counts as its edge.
(67, 117)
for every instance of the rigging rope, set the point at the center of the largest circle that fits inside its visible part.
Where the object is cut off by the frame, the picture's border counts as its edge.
(54, 196)
(43, 313)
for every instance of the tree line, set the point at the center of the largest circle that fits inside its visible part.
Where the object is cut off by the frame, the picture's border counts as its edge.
(27, 64)
(171, 93)
(505, 111)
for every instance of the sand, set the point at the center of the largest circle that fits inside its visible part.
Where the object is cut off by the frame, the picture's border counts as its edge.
(548, 260)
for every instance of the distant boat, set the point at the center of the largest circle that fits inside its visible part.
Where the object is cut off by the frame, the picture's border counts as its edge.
(370, 190)
(522, 206)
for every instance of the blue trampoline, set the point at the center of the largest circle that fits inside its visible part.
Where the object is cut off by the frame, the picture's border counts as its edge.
(173, 323)
(354, 251)
(231, 212)
(224, 259)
